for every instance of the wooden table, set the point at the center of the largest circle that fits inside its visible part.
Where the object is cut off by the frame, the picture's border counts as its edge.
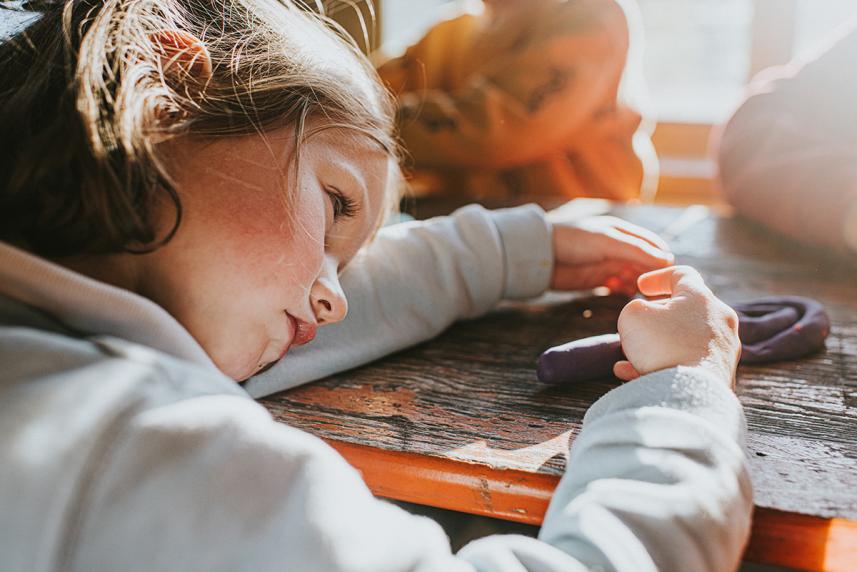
(462, 423)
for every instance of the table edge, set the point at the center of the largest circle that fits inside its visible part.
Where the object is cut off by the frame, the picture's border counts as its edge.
(777, 538)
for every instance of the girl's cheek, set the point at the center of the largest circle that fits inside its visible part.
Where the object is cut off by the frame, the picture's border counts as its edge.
(304, 238)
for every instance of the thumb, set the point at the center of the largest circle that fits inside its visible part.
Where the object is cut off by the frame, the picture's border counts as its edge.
(625, 371)
(672, 281)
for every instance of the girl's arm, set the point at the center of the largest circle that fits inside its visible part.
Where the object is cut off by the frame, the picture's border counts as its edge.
(657, 481)
(415, 280)
(184, 474)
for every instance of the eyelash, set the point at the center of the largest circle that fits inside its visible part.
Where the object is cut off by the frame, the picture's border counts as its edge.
(343, 206)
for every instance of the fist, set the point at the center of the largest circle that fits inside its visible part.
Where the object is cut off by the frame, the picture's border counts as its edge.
(690, 327)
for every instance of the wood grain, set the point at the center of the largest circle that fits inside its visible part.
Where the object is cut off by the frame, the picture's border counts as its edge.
(469, 400)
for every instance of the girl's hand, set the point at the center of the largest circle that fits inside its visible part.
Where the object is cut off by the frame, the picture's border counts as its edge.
(604, 251)
(692, 327)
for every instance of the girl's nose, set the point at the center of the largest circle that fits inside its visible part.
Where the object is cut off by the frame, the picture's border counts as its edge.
(326, 296)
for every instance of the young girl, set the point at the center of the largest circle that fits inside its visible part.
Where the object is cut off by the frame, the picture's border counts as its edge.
(181, 185)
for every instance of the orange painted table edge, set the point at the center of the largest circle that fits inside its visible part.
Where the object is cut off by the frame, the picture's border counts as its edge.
(777, 538)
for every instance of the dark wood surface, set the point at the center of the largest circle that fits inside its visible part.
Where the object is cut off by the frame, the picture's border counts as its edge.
(471, 395)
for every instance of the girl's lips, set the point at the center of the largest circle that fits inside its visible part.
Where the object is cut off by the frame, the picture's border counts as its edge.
(304, 332)
(301, 333)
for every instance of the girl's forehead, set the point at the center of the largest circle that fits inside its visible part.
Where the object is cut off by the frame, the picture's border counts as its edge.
(356, 153)
(345, 140)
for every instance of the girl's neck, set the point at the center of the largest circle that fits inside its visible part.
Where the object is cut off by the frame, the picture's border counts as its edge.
(115, 269)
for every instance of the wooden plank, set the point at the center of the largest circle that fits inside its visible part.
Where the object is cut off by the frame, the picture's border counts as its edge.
(802, 542)
(777, 538)
(672, 139)
(687, 182)
(475, 488)
(466, 411)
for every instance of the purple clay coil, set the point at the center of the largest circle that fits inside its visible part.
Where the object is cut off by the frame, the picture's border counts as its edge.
(580, 360)
(771, 329)
(799, 339)
(761, 324)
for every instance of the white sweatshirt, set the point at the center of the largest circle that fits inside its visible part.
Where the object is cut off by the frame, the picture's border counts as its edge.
(122, 448)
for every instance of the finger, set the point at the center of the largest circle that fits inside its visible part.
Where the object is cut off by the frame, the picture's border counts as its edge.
(643, 233)
(615, 274)
(672, 281)
(617, 286)
(631, 274)
(625, 282)
(625, 371)
(635, 250)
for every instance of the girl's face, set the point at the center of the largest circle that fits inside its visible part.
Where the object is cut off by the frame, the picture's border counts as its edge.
(253, 269)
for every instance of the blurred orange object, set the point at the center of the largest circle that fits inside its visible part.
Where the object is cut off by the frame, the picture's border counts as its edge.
(521, 100)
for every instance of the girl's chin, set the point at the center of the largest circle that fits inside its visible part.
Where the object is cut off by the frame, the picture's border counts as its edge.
(248, 370)
(237, 374)
(242, 363)
(238, 370)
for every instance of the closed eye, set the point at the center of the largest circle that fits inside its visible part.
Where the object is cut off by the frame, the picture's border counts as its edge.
(343, 206)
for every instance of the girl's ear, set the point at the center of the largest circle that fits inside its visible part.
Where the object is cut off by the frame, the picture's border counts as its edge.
(183, 56)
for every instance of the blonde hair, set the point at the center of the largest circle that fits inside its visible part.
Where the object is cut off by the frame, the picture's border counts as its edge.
(86, 97)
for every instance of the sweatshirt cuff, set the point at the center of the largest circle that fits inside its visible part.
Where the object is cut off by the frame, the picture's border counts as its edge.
(683, 388)
(527, 239)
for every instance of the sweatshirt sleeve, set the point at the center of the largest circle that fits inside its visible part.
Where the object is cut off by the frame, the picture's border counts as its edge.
(657, 481)
(788, 157)
(415, 279)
